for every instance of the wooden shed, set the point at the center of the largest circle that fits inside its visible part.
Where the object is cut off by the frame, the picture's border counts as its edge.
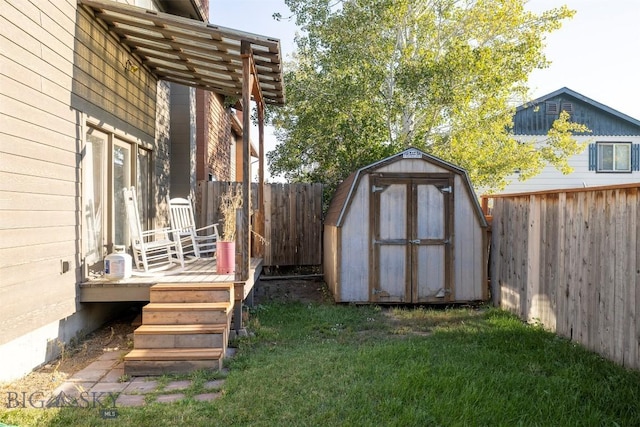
(406, 229)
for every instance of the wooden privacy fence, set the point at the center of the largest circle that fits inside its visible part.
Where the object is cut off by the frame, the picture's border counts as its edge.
(570, 259)
(293, 219)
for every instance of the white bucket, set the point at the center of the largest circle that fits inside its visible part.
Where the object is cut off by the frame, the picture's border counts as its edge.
(117, 266)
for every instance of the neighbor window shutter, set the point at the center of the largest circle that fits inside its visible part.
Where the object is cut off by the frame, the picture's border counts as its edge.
(593, 157)
(635, 157)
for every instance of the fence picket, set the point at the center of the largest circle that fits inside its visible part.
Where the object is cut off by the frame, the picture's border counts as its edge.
(570, 258)
(293, 219)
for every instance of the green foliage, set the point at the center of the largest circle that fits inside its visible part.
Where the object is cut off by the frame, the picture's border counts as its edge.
(371, 78)
(559, 145)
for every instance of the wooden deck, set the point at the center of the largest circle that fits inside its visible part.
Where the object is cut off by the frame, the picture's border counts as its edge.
(136, 288)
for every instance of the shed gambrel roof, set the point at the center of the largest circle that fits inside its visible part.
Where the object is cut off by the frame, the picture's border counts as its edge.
(347, 188)
(536, 117)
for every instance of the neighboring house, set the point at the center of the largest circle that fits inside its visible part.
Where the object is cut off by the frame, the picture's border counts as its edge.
(97, 95)
(612, 149)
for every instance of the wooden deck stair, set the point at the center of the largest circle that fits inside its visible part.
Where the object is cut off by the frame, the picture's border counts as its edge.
(184, 327)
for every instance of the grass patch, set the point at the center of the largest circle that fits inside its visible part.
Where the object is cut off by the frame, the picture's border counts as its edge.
(334, 365)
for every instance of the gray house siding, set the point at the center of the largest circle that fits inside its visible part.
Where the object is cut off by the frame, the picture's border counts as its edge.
(58, 69)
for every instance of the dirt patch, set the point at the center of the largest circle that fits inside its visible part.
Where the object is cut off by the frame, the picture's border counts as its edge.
(115, 336)
(294, 288)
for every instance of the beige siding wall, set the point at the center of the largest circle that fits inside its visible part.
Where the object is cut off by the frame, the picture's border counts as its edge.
(39, 187)
(57, 65)
(102, 85)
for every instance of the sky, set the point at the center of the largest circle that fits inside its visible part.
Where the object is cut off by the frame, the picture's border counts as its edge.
(597, 53)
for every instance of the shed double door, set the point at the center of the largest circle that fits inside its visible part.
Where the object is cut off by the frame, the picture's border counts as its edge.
(411, 235)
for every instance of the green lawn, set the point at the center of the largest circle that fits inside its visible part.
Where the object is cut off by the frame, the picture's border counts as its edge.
(336, 365)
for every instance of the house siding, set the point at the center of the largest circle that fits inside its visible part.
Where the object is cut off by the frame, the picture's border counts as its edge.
(532, 123)
(58, 68)
(39, 187)
(101, 84)
(550, 178)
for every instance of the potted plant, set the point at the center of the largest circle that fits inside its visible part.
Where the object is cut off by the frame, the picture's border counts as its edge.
(230, 202)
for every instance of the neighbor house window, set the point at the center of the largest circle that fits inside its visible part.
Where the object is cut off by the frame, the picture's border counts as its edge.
(614, 157)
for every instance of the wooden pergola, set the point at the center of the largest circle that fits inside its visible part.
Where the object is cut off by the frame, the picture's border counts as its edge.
(236, 64)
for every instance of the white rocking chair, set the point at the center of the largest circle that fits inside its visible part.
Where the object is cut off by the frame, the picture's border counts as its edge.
(198, 242)
(153, 250)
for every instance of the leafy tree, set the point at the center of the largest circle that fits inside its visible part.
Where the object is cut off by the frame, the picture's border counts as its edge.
(372, 77)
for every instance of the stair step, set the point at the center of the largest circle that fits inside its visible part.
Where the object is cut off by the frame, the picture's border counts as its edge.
(140, 362)
(187, 293)
(180, 336)
(187, 313)
(180, 329)
(174, 354)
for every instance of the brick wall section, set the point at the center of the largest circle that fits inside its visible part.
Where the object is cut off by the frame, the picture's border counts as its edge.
(213, 137)
(161, 177)
(203, 5)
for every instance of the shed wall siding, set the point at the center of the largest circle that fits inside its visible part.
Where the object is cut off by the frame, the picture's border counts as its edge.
(468, 251)
(353, 277)
(411, 166)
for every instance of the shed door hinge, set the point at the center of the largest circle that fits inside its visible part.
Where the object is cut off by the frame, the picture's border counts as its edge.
(375, 189)
(447, 189)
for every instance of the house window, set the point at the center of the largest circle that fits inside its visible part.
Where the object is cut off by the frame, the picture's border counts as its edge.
(614, 157)
(110, 163)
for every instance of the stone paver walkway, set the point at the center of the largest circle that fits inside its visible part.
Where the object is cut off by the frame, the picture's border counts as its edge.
(103, 384)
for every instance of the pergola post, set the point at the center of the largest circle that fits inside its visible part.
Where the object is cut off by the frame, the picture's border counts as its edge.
(243, 239)
(260, 218)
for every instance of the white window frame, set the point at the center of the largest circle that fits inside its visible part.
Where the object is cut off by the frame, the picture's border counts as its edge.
(615, 146)
(116, 137)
